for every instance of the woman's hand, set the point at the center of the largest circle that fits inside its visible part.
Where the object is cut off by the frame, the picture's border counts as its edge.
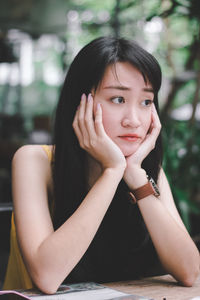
(133, 170)
(93, 138)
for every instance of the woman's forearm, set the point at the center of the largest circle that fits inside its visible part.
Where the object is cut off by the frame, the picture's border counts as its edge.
(175, 248)
(61, 251)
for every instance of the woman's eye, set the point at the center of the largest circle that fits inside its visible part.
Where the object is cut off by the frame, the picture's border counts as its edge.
(118, 100)
(147, 102)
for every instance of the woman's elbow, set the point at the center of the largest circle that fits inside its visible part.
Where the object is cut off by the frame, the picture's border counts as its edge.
(189, 279)
(47, 289)
(47, 282)
(46, 285)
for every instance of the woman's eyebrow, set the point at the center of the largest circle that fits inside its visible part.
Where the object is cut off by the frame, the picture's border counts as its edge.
(126, 88)
(146, 89)
(118, 87)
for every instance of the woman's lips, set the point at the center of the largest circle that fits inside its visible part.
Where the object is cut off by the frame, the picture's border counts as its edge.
(129, 137)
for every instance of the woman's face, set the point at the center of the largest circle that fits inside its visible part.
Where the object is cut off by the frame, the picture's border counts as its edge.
(126, 101)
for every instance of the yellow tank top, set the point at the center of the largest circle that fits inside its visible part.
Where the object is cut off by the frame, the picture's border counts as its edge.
(17, 276)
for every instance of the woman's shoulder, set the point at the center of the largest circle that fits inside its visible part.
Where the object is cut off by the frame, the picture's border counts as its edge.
(33, 152)
(32, 159)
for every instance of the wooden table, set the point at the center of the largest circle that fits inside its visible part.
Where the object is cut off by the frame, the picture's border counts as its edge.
(158, 288)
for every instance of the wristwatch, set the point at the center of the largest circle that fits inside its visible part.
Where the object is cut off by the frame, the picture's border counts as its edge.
(150, 188)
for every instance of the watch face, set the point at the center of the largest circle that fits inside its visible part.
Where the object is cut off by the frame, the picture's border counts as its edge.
(154, 186)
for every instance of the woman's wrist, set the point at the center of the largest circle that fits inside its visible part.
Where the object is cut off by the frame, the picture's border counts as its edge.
(115, 171)
(137, 179)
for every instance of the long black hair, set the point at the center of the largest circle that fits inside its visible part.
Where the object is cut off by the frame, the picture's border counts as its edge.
(85, 74)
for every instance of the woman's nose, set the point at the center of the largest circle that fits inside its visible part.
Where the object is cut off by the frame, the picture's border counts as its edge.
(131, 119)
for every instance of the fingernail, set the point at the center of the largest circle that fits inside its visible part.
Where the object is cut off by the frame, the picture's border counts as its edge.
(83, 97)
(89, 97)
(98, 105)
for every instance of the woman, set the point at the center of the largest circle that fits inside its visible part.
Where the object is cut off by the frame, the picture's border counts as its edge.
(73, 215)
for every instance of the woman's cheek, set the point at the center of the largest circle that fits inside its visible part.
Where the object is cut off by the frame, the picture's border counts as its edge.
(108, 122)
(105, 121)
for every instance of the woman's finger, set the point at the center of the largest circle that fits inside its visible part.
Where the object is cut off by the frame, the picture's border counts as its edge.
(156, 120)
(154, 131)
(98, 121)
(81, 120)
(77, 130)
(89, 120)
(81, 113)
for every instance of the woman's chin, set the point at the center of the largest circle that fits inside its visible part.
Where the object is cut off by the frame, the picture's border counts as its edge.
(128, 155)
(128, 152)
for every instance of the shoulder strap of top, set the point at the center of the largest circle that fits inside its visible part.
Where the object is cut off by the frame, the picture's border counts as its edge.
(47, 149)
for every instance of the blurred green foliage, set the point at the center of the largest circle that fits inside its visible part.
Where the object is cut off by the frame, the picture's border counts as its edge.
(182, 167)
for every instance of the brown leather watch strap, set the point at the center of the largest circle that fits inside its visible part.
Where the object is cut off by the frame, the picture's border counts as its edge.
(142, 192)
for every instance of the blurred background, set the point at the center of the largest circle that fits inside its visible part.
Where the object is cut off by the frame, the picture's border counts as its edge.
(39, 39)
